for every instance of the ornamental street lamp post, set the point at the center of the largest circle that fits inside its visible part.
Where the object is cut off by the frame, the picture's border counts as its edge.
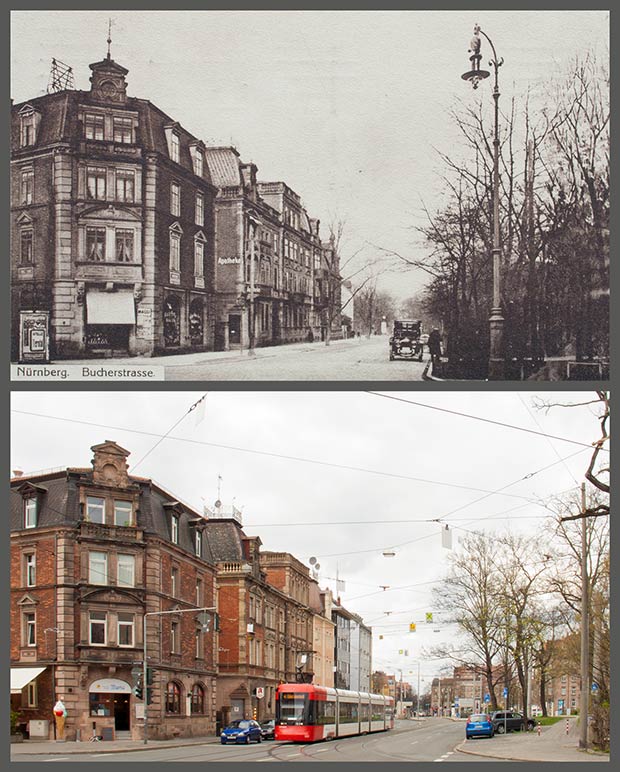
(496, 319)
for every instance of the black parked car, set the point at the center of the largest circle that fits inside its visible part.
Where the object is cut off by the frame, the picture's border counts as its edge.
(268, 729)
(510, 720)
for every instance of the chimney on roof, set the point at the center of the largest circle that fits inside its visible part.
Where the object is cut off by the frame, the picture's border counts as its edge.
(18, 472)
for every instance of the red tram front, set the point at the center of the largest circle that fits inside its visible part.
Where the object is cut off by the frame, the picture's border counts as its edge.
(307, 713)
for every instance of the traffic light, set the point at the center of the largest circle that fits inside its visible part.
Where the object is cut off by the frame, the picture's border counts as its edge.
(137, 688)
(149, 695)
(149, 676)
(412, 627)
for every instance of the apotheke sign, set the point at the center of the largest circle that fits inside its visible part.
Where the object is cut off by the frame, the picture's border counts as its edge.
(229, 260)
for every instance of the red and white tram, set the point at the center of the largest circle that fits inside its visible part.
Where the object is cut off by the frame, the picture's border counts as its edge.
(306, 713)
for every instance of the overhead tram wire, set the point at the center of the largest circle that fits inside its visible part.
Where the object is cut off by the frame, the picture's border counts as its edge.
(441, 518)
(269, 454)
(165, 436)
(479, 418)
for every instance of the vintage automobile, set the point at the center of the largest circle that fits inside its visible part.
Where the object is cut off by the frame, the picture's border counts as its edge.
(406, 340)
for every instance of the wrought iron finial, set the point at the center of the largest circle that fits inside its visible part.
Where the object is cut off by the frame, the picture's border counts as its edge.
(109, 35)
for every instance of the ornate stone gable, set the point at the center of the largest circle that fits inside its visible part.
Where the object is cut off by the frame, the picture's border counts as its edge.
(110, 465)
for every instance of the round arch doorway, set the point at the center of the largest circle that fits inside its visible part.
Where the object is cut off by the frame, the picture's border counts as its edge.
(110, 698)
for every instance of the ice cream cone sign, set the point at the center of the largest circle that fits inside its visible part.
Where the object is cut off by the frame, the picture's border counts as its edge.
(60, 714)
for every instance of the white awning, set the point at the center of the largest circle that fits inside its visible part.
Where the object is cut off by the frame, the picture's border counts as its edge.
(20, 676)
(110, 308)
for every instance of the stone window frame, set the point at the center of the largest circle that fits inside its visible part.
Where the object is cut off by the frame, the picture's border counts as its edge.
(198, 543)
(200, 242)
(175, 147)
(97, 173)
(109, 497)
(199, 214)
(29, 121)
(175, 248)
(31, 697)
(175, 198)
(26, 257)
(106, 567)
(29, 566)
(26, 185)
(103, 622)
(198, 695)
(175, 636)
(172, 698)
(94, 119)
(122, 123)
(118, 563)
(175, 580)
(174, 528)
(29, 627)
(129, 623)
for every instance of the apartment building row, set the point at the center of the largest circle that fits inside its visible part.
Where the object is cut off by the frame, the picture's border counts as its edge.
(130, 236)
(96, 551)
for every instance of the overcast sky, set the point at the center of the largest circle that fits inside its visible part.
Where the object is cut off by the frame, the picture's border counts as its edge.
(277, 495)
(344, 106)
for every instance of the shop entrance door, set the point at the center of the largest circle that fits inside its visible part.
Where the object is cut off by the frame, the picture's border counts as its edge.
(121, 712)
(234, 329)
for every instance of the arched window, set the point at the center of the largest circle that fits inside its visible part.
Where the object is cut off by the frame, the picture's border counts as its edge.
(198, 699)
(173, 698)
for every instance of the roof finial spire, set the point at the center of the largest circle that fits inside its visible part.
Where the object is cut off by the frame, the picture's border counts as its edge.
(109, 35)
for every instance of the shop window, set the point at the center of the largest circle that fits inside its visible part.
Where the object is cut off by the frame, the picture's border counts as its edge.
(123, 129)
(96, 182)
(26, 247)
(173, 698)
(93, 126)
(30, 513)
(123, 513)
(27, 186)
(97, 567)
(95, 244)
(125, 185)
(30, 628)
(30, 569)
(125, 629)
(97, 628)
(196, 322)
(95, 509)
(126, 571)
(172, 337)
(198, 699)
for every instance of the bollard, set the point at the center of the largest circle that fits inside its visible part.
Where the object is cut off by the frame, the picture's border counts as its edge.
(539, 729)
(567, 723)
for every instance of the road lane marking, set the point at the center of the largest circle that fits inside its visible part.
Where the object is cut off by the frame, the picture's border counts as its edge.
(322, 750)
(415, 742)
(291, 755)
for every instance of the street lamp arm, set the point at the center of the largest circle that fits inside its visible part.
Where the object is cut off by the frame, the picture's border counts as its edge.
(495, 61)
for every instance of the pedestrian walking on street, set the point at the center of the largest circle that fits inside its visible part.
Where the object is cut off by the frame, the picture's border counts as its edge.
(434, 345)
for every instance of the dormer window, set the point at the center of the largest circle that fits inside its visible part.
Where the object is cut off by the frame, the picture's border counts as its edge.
(29, 124)
(174, 147)
(198, 543)
(30, 512)
(95, 509)
(123, 513)
(122, 129)
(174, 529)
(199, 160)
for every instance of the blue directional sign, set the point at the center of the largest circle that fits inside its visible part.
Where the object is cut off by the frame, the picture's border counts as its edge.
(487, 698)
(505, 691)
(595, 687)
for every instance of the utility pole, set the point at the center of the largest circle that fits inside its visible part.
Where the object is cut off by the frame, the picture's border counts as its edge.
(418, 711)
(585, 665)
(253, 224)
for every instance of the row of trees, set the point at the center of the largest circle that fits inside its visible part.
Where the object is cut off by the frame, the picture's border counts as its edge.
(554, 221)
(516, 599)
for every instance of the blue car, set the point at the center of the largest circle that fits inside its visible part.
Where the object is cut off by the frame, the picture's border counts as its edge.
(242, 731)
(479, 725)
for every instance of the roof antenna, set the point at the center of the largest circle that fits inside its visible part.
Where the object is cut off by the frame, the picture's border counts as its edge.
(109, 35)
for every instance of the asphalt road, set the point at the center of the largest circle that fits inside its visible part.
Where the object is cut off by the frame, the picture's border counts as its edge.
(355, 359)
(433, 739)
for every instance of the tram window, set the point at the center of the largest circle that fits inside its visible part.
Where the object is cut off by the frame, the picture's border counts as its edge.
(295, 707)
(364, 711)
(348, 713)
(326, 713)
(377, 712)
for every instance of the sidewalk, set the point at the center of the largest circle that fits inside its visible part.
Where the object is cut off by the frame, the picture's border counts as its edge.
(553, 744)
(46, 747)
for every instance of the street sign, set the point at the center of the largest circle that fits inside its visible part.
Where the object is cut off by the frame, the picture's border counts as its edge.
(136, 671)
(260, 692)
(429, 616)
(595, 687)
(505, 691)
(487, 698)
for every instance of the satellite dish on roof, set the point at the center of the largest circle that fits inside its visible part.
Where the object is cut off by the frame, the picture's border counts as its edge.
(218, 504)
(312, 561)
